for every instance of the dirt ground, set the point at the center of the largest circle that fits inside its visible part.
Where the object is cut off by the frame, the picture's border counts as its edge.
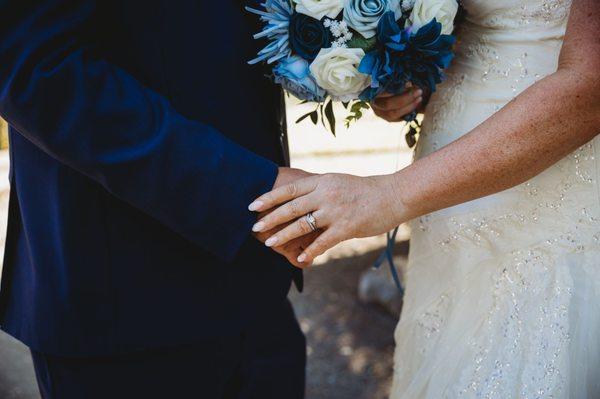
(350, 344)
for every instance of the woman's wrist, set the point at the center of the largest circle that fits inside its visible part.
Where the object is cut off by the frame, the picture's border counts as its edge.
(402, 211)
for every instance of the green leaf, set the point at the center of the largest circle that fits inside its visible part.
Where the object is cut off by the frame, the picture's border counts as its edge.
(303, 117)
(330, 116)
(313, 115)
(357, 106)
(410, 137)
(359, 41)
(322, 108)
(356, 112)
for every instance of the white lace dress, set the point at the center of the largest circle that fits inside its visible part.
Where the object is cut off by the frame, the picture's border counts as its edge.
(503, 293)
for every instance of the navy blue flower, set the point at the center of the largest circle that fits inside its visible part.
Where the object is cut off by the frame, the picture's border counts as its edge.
(402, 57)
(308, 36)
(389, 33)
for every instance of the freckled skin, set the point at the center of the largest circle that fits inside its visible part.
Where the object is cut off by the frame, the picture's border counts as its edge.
(539, 127)
(542, 125)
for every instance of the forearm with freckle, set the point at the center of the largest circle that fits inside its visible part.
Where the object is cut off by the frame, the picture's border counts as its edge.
(539, 127)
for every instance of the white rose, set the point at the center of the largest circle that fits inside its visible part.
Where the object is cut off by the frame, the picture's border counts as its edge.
(443, 11)
(319, 8)
(336, 70)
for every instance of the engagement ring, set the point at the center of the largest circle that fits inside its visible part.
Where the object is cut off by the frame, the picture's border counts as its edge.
(312, 222)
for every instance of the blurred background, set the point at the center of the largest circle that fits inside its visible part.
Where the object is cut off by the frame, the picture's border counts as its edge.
(348, 310)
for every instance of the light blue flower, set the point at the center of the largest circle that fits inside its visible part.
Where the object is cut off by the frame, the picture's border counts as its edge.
(276, 15)
(363, 15)
(293, 74)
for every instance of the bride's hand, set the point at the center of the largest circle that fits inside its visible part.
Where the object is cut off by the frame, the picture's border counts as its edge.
(393, 108)
(344, 207)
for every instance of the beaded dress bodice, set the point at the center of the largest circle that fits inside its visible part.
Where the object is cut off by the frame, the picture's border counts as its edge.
(497, 288)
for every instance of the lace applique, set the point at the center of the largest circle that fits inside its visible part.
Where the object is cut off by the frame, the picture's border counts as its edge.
(528, 320)
(444, 109)
(432, 321)
(493, 67)
(548, 202)
(546, 12)
(543, 12)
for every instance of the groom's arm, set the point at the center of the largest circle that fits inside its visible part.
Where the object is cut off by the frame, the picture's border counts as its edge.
(96, 118)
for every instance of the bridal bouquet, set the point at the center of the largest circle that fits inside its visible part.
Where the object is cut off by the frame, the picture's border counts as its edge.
(353, 50)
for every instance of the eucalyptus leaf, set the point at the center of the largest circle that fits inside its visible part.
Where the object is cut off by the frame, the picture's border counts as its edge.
(303, 117)
(330, 116)
(357, 106)
(356, 112)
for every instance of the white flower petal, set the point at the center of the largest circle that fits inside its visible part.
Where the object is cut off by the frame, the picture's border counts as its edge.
(319, 8)
(444, 11)
(336, 70)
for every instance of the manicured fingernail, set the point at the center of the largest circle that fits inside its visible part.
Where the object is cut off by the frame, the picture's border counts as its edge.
(271, 241)
(418, 93)
(419, 100)
(301, 258)
(255, 206)
(258, 227)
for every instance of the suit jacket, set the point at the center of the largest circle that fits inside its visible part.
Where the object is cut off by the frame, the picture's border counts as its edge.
(139, 135)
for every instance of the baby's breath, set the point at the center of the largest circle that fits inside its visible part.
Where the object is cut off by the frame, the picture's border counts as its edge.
(339, 30)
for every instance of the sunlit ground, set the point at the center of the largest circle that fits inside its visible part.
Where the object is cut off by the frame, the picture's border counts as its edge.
(350, 344)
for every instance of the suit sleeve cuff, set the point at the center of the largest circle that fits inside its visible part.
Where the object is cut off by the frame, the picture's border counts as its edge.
(240, 183)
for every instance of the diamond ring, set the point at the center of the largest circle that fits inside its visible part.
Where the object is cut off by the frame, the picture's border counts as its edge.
(312, 222)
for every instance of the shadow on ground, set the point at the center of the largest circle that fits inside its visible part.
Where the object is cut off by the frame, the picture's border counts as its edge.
(350, 344)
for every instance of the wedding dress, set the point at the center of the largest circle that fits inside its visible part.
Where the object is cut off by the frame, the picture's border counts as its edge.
(503, 293)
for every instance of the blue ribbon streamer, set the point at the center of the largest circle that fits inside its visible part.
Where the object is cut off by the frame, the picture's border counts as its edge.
(388, 254)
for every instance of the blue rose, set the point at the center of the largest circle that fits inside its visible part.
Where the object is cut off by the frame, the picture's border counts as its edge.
(363, 15)
(293, 74)
(308, 36)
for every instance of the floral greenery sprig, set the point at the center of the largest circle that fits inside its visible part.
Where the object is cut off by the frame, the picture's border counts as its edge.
(356, 111)
(324, 114)
(353, 50)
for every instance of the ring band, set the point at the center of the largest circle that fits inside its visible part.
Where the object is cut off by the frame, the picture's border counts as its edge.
(312, 222)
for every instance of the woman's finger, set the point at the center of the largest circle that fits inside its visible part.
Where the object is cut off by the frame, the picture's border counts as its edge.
(385, 104)
(299, 228)
(283, 194)
(398, 115)
(329, 239)
(394, 103)
(385, 94)
(286, 213)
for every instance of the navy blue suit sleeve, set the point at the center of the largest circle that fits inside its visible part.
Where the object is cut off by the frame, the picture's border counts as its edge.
(96, 118)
